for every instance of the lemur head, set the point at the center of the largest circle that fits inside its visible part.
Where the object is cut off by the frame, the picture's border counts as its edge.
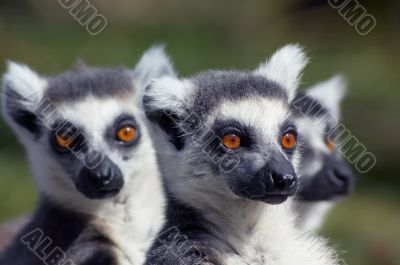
(83, 129)
(325, 175)
(227, 132)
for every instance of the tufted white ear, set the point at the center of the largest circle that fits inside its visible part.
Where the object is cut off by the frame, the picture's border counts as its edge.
(22, 90)
(24, 81)
(165, 105)
(285, 67)
(167, 93)
(154, 63)
(330, 93)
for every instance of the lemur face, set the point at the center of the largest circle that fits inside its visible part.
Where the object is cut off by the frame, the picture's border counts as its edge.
(325, 175)
(82, 129)
(231, 132)
(99, 138)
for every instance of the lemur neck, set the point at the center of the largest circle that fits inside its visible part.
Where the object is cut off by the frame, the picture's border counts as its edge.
(310, 215)
(239, 215)
(235, 216)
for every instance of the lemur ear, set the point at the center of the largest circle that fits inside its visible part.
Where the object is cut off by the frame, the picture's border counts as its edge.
(330, 93)
(22, 90)
(162, 92)
(285, 67)
(79, 65)
(155, 63)
(164, 103)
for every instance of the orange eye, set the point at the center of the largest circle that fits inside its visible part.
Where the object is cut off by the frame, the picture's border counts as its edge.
(126, 134)
(288, 141)
(231, 141)
(64, 141)
(331, 144)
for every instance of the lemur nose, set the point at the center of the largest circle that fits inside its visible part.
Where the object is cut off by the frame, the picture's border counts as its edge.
(338, 174)
(102, 176)
(344, 175)
(287, 181)
(103, 181)
(342, 178)
(285, 184)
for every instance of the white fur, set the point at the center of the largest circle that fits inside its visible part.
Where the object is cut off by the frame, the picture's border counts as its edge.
(285, 67)
(260, 233)
(170, 93)
(25, 80)
(312, 214)
(330, 93)
(273, 240)
(26, 83)
(152, 63)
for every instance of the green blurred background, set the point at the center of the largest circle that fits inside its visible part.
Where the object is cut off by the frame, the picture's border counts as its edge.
(234, 34)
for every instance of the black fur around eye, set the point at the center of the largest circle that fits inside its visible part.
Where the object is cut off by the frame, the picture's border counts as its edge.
(330, 143)
(64, 142)
(168, 122)
(66, 138)
(242, 134)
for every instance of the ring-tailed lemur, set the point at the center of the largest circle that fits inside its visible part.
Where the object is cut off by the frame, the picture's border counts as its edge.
(226, 142)
(101, 198)
(326, 177)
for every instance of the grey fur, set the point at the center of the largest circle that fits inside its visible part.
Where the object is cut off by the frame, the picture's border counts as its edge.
(101, 83)
(216, 86)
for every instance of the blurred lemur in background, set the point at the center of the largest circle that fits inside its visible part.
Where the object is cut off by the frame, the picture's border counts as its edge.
(325, 176)
(226, 145)
(101, 199)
